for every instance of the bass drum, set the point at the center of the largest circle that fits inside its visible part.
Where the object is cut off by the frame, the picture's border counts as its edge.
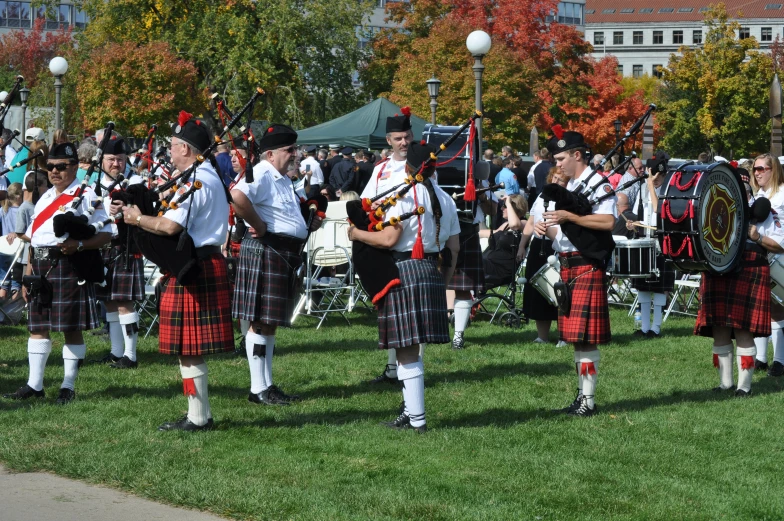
(703, 218)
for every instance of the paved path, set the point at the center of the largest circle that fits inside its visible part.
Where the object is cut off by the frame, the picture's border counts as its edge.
(44, 497)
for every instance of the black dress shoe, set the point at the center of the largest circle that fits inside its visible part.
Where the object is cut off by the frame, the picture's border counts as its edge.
(759, 365)
(383, 378)
(264, 398)
(401, 422)
(125, 363)
(721, 389)
(184, 424)
(776, 370)
(25, 392)
(652, 335)
(583, 410)
(108, 359)
(740, 393)
(572, 406)
(277, 393)
(65, 396)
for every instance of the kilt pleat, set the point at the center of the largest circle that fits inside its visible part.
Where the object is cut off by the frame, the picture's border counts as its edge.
(121, 284)
(414, 312)
(588, 321)
(535, 306)
(740, 300)
(195, 319)
(262, 291)
(73, 306)
(469, 271)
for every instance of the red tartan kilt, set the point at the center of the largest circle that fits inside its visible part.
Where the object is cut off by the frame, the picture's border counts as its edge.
(739, 300)
(196, 319)
(588, 321)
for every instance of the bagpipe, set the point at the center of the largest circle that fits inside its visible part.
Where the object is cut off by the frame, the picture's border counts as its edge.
(377, 269)
(593, 244)
(9, 99)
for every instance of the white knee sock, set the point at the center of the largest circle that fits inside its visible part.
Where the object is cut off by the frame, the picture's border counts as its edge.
(244, 326)
(422, 351)
(589, 371)
(391, 370)
(269, 341)
(72, 353)
(577, 370)
(722, 359)
(778, 341)
(413, 377)
(745, 359)
(194, 384)
(256, 351)
(115, 333)
(645, 309)
(462, 314)
(762, 348)
(659, 300)
(129, 324)
(37, 353)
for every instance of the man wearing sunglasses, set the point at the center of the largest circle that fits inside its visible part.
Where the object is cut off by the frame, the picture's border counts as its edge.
(124, 276)
(67, 306)
(269, 256)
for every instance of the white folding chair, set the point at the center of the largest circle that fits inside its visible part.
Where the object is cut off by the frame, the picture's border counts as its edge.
(12, 311)
(148, 307)
(685, 294)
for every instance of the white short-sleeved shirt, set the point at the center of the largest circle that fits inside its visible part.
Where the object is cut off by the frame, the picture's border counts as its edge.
(10, 152)
(449, 224)
(609, 206)
(316, 175)
(777, 201)
(273, 197)
(107, 181)
(386, 174)
(531, 177)
(208, 222)
(771, 227)
(44, 234)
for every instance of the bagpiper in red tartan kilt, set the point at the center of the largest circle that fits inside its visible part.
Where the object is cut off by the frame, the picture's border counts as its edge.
(740, 300)
(73, 305)
(195, 319)
(121, 284)
(588, 321)
(469, 271)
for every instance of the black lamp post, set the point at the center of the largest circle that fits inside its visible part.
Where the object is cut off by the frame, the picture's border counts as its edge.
(24, 94)
(433, 86)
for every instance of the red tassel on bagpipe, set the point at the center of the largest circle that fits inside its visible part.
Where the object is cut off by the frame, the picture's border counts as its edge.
(418, 253)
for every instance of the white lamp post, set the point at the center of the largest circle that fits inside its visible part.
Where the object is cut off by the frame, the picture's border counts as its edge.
(58, 67)
(478, 44)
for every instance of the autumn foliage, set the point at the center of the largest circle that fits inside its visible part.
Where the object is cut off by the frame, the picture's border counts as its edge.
(29, 52)
(135, 86)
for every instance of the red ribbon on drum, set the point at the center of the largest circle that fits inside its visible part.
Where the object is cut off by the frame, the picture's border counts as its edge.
(667, 247)
(676, 180)
(666, 212)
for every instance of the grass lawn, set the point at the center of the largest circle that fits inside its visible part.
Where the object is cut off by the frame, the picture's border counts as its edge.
(663, 447)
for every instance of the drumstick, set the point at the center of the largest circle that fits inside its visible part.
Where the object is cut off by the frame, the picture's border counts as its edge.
(637, 223)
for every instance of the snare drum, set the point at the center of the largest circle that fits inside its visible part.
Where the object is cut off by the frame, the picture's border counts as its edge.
(777, 278)
(635, 258)
(703, 218)
(544, 281)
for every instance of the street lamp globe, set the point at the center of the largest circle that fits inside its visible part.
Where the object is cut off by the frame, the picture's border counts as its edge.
(3, 95)
(617, 124)
(58, 66)
(433, 86)
(24, 94)
(478, 43)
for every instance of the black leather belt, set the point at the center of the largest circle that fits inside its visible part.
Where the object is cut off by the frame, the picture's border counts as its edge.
(205, 251)
(575, 261)
(276, 240)
(47, 253)
(406, 255)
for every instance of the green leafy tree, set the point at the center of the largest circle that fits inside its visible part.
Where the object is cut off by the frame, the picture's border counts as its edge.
(717, 96)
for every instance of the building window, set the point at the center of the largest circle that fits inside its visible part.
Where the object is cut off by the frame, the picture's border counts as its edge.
(618, 38)
(696, 37)
(743, 33)
(772, 6)
(666, 10)
(646, 10)
(627, 11)
(677, 37)
(80, 18)
(620, 69)
(685, 9)
(767, 34)
(704, 9)
(608, 11)
(590, 11)
(656, 71)
(637, 71)
(598, 38)
(637, 37)
(570, 13)
(658, 37)
(15, 14)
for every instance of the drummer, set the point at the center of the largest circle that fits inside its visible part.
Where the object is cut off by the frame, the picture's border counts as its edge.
(656, 288)
(535, 306)
(768, 181)
(738, 303)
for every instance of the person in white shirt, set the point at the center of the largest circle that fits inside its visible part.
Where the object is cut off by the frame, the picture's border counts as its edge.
(414, 312)
(269, 257)
(195, 312)
(59, 302)
(311, 169)
(124, 277)
(586, 323)
(387, 174)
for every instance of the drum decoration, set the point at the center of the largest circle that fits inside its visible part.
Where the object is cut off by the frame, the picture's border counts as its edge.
(546, 277)
(702, 218)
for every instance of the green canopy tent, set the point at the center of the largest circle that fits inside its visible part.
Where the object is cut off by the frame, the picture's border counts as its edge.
(363, 128)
